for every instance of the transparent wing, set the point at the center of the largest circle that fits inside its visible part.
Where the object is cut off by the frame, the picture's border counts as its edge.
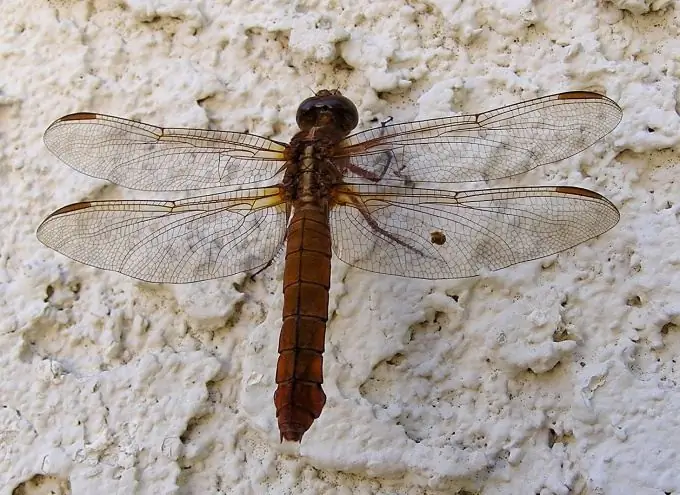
(434, 234)
(172, 241)
(489, 145)
(146, 157)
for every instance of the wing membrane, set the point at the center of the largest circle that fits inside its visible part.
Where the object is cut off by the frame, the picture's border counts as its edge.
(434, 234)
(172, 241)
(142, 156)
(489, 145)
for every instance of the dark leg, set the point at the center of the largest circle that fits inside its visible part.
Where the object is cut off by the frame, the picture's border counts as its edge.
(269, 263)
(358, 204)
(385, 122)
(367, 174)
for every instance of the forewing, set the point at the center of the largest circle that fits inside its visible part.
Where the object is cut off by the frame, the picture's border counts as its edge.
(142, 156)
(490, 145)
(433, 234)
(172, 241)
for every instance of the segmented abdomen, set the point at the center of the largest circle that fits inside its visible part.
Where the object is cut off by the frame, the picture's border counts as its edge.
(299, 397)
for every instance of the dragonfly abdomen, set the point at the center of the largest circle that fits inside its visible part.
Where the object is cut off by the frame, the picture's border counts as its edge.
(299, 397)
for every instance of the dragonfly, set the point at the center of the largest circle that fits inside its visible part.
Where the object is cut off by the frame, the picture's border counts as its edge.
(367, 197)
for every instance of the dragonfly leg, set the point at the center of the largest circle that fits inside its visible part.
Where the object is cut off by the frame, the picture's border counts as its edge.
(367, 174)
(269, 263)
(374, 225)
(252, 276)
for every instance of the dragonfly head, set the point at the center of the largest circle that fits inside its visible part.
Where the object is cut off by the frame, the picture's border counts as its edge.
(327, 108)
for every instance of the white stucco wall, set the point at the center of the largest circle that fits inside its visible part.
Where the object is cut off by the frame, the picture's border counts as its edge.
(557, 376)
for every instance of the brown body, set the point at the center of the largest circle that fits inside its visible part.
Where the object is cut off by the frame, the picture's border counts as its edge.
(299, 397)
(362, 188)
(311, 174)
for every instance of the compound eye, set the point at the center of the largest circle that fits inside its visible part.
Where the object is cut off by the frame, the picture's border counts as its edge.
(320, 109)
(348, 115)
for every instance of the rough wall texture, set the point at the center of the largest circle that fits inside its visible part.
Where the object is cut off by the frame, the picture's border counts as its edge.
(555, 376)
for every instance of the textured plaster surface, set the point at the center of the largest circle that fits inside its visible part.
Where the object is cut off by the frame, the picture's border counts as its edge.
(557, 376)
